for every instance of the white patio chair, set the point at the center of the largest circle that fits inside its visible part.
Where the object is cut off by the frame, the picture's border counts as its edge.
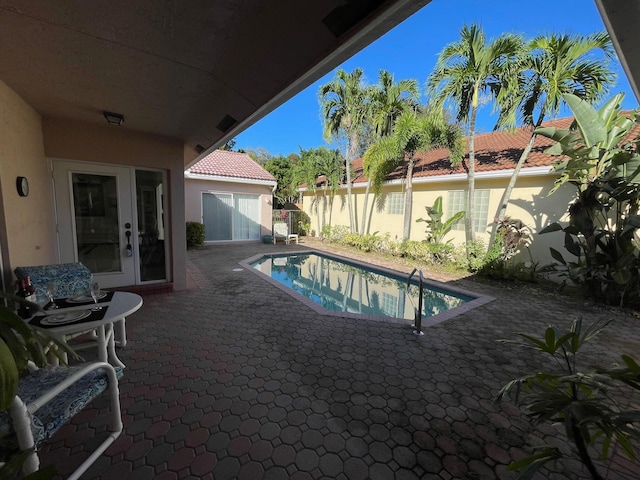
(49, 397)
(281, 231)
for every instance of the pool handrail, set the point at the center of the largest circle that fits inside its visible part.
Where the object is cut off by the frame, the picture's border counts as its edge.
(417, 311)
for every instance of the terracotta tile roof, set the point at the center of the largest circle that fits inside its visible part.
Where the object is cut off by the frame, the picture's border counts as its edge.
(223, 163)
(499, 150)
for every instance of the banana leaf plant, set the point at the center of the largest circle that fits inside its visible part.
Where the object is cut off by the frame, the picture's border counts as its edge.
(601, 158)
(436, 228)
(21, 343)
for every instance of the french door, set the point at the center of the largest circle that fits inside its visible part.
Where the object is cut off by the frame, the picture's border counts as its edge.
(111, 218)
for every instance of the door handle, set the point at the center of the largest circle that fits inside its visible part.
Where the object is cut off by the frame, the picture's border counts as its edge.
(129, 249)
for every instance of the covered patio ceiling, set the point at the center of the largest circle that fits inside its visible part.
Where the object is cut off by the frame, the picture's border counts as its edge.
(622, 18)
(200, 71)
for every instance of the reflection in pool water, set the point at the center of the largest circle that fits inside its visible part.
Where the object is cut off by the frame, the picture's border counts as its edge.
(348, 287)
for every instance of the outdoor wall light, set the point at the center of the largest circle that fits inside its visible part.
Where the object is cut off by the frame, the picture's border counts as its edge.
(113, 118)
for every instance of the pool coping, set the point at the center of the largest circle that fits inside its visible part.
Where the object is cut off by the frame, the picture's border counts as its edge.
(478, 299)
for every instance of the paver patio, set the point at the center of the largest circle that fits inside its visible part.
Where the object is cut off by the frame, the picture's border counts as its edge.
(235, 379)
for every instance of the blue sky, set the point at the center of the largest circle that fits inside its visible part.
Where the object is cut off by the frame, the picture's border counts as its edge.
(410, 51)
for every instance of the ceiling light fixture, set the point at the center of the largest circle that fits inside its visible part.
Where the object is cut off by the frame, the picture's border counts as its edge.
(113, 118)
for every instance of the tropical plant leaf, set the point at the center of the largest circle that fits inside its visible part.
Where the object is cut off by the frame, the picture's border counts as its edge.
(571, 245)
(560, 135)
(592, 330)
(608, 112)
(557, 256)
(8, 376)
(590, 124)
(533, 463)
(621, 277)
(437, 205)
(554, 227)
(446, 226)
(541, 345)
(631, 364)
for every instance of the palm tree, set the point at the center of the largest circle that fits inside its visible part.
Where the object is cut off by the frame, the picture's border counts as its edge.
(556, 65)
(306, 172)
(466, 69)
(319, 164)
(345, 108)
(413, 131)
(388, 100)
(330, 165)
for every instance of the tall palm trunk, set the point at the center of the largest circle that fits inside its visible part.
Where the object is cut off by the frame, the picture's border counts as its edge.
(324, 204)
(506, 196)
(351, 145)
(471, 176)
(333, 195)
(363, 229)
(347, 163)
(408, 199)
(318, 216)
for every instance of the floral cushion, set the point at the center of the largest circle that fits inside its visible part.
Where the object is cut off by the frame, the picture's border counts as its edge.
(72, 279)
(49, 418)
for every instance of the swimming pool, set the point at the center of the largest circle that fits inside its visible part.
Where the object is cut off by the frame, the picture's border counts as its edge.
(335, 285)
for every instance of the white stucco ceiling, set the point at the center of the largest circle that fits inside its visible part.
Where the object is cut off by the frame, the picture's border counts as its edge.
(622, 19)
(178, 68)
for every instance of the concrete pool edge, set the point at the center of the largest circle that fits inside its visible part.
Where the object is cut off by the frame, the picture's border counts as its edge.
(478, 300)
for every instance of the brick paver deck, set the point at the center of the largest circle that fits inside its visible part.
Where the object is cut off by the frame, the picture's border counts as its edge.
(234, 379)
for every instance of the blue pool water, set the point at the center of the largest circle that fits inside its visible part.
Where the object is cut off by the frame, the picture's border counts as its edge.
(338, 285)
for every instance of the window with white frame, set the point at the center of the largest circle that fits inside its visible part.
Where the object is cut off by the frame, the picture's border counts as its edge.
(395, 203)
(389, 304)
(458, 202)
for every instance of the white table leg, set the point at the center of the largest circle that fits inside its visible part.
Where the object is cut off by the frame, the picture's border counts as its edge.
(102, 343)
(122, 333)
(111, 345)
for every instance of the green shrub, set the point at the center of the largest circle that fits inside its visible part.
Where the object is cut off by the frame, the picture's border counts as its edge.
(415, 250)
(335, 234)
(387, 246)
(430, 253)
(586, 402)
(367, 243)
(195, 234)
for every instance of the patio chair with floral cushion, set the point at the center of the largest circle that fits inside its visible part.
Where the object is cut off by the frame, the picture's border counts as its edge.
(49, 397)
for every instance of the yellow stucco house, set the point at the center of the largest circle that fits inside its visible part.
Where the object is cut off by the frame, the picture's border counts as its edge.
(433, 176)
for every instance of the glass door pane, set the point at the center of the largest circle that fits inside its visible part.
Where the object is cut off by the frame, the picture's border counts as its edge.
(246, 225)
(95, 206)
(151, 231)
(217, 212)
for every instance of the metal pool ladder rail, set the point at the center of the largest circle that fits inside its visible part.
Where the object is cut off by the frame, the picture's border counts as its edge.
(417, 311)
